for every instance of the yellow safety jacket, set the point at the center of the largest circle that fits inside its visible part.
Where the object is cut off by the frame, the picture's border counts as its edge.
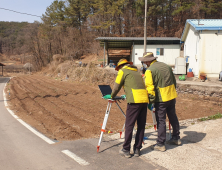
(160, 82)
(133, 85)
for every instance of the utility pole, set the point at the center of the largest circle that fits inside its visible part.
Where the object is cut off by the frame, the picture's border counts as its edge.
(104, 54)
(145, 26)
(29, 64)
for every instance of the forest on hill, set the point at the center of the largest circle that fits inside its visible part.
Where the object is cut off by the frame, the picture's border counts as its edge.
(69, 27)
(10, 33)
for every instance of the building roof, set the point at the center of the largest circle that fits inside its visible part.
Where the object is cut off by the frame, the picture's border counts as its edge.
(201, 24)
(136, 38)
(127, 42)
(2, 64)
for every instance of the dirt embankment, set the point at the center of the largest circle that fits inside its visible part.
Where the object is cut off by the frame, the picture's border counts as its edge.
(70, 110)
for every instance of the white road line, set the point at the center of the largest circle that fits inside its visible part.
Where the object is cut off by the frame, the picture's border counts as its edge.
(36, 132)
(75, 157)
(49, 141)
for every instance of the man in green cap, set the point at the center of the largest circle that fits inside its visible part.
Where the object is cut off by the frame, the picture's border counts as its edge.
(137, 99)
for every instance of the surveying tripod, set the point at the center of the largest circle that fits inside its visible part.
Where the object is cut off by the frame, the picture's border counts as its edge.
(110, 102)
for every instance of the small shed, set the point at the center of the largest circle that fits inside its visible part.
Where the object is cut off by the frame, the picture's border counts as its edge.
(2, 67)
(202, 40)
(167, 49)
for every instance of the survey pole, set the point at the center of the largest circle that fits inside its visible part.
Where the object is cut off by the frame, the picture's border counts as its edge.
(145, 26)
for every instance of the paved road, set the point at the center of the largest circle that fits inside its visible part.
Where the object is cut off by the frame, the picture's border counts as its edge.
(21, 149)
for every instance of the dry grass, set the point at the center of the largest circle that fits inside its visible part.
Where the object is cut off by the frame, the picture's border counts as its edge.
(90, 73)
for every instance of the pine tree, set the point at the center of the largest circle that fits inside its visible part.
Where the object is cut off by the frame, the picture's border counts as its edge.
(55, 13)
(211, 8)
(77, 12)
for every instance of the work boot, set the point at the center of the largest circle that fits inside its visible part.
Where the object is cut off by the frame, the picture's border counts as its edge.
(136, 152)
(125, 153)
(156, 147)
(173, 141)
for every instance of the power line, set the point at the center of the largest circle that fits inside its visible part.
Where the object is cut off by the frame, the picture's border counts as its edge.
(19, 12)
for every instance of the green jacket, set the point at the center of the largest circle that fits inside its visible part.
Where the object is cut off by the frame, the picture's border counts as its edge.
(133, 85)
(160, 82)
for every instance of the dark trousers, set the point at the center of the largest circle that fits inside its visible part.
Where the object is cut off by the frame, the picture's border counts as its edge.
(161, 109)
(135, 112)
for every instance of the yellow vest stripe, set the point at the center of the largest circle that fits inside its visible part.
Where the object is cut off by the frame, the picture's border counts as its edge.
(140, 96)
(119, 76)
(149, 83)
(168, 93)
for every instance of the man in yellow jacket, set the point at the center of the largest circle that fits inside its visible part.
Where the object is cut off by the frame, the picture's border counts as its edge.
(161, 87)
(137, 98)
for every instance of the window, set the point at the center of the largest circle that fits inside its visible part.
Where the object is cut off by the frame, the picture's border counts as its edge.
(160, 51)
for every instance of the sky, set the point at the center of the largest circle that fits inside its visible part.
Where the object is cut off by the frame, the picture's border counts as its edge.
(34, 7)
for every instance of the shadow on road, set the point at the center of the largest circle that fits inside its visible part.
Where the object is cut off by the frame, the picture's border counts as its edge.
(191, 137)
(116, 145)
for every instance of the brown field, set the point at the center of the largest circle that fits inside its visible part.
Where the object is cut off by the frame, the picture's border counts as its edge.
(66, 110)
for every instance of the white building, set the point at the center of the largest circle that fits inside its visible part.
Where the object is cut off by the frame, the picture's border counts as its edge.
(203, 46)
(167, 49)
(166, 53)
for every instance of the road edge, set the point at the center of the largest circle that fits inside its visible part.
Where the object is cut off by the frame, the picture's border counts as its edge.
(43, 137)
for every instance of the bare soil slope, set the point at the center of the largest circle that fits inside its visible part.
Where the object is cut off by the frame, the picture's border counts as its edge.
(71, 110)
